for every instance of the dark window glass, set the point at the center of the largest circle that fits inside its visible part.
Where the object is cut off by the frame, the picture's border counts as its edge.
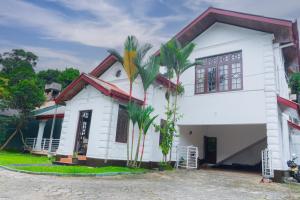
(162, 124)
(219, 73)
(122, 125)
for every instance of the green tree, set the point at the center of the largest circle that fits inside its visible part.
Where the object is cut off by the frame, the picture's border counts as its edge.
(144, 121)
(22, 90)
(48, 76)
(148, 72)
(17, 58)
(67, 76)
(24, 96)
(175, 57)
(294, 83)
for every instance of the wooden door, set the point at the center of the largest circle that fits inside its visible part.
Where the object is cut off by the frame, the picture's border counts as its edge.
(210, 149)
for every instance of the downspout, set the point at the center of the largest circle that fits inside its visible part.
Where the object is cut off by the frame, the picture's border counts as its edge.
(109, 131)
(52, 129)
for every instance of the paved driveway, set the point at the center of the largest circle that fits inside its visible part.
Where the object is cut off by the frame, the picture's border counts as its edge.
(182, 184)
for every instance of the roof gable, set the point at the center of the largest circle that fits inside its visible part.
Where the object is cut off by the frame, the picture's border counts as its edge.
(285, 31)
(104, 87)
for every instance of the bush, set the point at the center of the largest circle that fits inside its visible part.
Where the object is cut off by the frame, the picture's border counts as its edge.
(165, 166)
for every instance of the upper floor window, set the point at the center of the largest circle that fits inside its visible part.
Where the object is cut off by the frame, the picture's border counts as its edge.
(219, 73)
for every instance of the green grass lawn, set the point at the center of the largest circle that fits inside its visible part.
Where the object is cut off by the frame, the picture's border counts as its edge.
(9, 159)
(78, 169)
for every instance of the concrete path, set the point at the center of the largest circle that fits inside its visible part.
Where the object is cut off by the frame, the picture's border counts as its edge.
(182, 184)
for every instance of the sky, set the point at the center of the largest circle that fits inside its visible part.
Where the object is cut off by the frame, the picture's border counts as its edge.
(77, 33)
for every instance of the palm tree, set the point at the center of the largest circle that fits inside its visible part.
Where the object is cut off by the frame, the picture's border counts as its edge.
(147, 123)
(148, 72)
(175, 58)
(144, 121)
(131, 50)
(133, 112)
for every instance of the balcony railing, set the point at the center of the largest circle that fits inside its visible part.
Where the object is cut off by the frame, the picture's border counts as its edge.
(32, 145)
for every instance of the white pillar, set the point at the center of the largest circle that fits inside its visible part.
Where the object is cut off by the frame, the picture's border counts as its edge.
(42, 124)
(285, 141)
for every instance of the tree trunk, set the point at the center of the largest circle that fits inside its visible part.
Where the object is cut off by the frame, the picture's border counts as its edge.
(132, 141)
(22, 138)
(143, 147)
(145, 99)
(9, 139)
(137, 149)
(130, 96)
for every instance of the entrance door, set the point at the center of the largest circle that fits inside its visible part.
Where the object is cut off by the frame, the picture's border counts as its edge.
(210, 149)
(83, 129)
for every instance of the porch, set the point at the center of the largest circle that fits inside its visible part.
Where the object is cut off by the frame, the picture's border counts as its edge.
(41, 146)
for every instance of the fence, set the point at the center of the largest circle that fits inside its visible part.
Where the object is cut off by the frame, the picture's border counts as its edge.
(31, 144)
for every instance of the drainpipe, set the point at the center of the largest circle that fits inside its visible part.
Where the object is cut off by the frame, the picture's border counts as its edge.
(109, 131)
(52, 129)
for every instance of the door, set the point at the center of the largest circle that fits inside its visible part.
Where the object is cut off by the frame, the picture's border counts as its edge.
(83, 129)
(210, 149)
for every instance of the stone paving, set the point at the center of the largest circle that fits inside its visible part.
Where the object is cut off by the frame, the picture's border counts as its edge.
(182, 184)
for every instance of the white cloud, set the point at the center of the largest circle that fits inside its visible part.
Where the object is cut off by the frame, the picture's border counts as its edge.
(109, 28)
(50, 58)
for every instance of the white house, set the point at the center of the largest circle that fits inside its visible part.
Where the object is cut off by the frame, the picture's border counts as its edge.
(235, 104)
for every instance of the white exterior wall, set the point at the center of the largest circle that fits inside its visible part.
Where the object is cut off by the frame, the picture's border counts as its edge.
(87, 99)
(232, 107)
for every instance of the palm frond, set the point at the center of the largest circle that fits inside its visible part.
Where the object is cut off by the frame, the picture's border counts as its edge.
(187, 50)
(116, 54)
(149, 71)
(133, 112)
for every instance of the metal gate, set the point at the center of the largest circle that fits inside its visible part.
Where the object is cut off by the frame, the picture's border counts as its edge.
(187, 157)
(266, 159)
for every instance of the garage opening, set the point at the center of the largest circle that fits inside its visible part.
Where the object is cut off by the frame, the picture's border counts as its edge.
(226, 146)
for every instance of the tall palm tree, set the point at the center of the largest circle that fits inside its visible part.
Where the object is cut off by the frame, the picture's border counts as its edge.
(144, 121)
(148, 72)
(131, 50)
(133, 112)
(148, 121)
(176, 58)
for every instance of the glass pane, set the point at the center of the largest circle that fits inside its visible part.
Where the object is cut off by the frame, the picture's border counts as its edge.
(200, 78)
(211, 79)
(236, 76)
(223, 78)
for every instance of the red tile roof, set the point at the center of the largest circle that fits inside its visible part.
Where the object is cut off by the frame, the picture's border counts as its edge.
(104, 87)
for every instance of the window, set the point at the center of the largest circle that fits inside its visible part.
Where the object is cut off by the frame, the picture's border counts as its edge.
(162, 124)
(122, 125)
(219, 73)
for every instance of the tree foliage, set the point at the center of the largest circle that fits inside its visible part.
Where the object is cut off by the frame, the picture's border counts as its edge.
(17, 58)
(294, 82)
(174, 57)
(22, 92)
(64, 77)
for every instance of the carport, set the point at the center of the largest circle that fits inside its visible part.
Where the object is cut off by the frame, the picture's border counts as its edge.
(226, 144)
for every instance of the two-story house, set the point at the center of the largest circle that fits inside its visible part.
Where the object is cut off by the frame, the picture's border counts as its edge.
(236, 103)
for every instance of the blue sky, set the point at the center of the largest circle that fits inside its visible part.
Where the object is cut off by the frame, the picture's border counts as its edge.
(77, 33)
